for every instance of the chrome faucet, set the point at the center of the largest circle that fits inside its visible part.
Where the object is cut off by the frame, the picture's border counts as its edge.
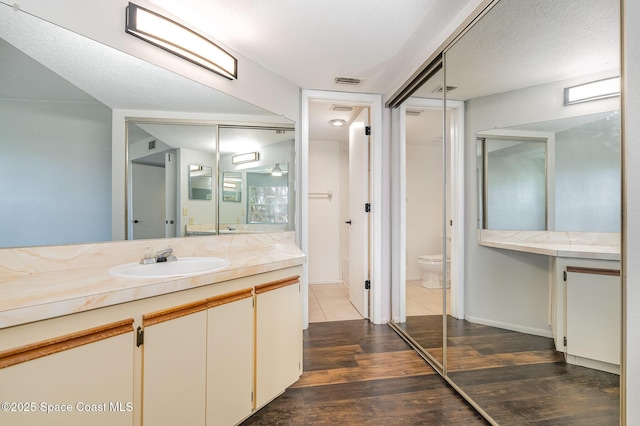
(165, 255)
(150, 256)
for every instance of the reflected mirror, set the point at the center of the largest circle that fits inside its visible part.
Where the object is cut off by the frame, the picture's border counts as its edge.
(200, 181)
(232, 187)
(582, 175)
(56, 126)
(514, 194)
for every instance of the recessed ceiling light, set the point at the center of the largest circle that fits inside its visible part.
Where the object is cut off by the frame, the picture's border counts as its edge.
(337, 123)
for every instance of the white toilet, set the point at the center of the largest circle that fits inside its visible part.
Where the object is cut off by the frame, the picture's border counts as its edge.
(431, 266)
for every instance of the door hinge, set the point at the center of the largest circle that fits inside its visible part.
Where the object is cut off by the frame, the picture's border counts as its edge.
(367, 284)
(251, 396)
(367, 130)
(139, 336)
(565, 341)
(564, 275)
(367, 207)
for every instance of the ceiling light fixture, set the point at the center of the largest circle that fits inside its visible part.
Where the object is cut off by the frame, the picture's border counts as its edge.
(179, 40)
(337, 123)
(245, 158)
(601, 89)
(276, 171)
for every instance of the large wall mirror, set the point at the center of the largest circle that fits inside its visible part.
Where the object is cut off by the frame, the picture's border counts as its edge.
(57, 170)
(532, 163)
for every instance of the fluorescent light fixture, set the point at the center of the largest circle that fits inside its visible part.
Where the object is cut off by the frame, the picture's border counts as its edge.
(245, 158)
(230, 185)
(180, 40)
(601, 89)
(276, 171)
(337, 123)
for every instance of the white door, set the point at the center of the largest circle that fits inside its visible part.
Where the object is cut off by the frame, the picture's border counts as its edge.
(148, 199)
(358, 197)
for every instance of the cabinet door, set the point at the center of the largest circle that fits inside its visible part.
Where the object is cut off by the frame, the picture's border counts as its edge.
(174, 366)
(82, 378)
(593, 313)
(230, 358)
(278, 338)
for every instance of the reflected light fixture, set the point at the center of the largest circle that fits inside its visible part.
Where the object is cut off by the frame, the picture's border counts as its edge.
(179, 40)
(601, 89)
(337, 123)
(276, 171)
(245, 158)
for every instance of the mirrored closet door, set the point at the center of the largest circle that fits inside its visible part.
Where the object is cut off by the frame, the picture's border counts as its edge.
(532, 323)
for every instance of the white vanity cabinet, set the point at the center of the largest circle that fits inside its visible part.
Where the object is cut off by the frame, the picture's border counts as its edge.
(230, 358)
(198, 361)
(78, 378)
(209, 355)
(586, 312)
(278, 338)
(174, 365)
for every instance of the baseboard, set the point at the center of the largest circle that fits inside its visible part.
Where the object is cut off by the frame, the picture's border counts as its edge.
(593, 364)
(325, 282)
(509, 326)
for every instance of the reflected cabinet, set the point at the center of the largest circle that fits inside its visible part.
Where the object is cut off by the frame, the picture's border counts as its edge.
(525, 323)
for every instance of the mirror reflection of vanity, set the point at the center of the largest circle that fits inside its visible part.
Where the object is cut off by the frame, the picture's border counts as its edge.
(65, 156)
(538, 339)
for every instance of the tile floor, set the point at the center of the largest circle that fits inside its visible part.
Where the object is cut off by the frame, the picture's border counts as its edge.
(330, 302)
(425, 301)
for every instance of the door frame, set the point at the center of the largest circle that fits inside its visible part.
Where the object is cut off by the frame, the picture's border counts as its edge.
(374, 103)
(455, 169)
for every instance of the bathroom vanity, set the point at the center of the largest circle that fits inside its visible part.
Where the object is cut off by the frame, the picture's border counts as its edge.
(80, 346)
(584, 290)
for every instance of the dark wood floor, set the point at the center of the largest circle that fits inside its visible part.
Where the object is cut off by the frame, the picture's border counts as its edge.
(517, 378)
(359, 373)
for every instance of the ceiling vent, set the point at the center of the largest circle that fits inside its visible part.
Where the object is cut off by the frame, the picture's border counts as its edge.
(413, 113)
(348, 81)
(342, 108)
(449, 89)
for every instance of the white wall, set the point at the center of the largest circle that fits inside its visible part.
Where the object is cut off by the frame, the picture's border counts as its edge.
(325, 174)
(424, 203)
(587, 180)
(631, 212)
(505, 288)
(104, 21)
(55, 170)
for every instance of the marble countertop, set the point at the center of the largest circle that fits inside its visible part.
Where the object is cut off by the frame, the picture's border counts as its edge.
(587, 245)
(41, 283)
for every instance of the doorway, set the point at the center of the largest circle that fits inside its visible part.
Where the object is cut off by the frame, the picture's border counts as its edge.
(338, 223)
(326, 198)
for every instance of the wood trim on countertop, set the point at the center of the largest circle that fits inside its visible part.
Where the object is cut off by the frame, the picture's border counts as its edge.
(234, 296)
(273, 285)
(173, 312)
(594, 271)
(62, 343)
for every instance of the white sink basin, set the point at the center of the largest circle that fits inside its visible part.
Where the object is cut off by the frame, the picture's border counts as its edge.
(183, 267)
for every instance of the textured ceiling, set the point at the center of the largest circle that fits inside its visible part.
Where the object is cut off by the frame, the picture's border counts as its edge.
(311, 42)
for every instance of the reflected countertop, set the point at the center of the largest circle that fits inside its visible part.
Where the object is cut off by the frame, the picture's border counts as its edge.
(38, 283)
(584, 245)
